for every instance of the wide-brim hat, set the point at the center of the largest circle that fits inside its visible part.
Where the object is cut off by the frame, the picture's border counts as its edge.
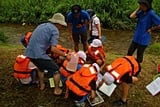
(58, 18)
(96, 43)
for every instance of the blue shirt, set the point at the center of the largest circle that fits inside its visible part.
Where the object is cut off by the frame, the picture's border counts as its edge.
(44, 36)
(145, 22)
(80, 20)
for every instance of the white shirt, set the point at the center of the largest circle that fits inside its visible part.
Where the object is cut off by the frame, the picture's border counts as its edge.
(94, 22)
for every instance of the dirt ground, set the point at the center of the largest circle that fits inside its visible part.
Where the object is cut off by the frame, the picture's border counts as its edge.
(13, 94)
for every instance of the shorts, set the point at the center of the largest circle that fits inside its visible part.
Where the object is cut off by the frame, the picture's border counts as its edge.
(80, 36)
(26, 80)
(46, 65)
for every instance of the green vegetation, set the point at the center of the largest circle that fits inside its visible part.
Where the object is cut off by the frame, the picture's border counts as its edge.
(113, 13)
(3, 38)
(154, 48)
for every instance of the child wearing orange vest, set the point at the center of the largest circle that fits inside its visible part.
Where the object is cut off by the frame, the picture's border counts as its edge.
(82, 84)
(57, 58)
(95, 52)
(24, 70)
(65, 72)
(122, 71)
(25, 38)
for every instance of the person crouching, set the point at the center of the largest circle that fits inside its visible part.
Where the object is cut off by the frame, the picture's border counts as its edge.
(82, 84)
(96, 53)
(122, 71)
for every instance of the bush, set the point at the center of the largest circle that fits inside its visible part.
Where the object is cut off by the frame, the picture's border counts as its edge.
(3, 38)
(154, 49)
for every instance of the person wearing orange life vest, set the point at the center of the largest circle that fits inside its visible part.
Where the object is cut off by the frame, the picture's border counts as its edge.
(122, 71)
(66, 73)
(96, 52)
(82, 83)
(24, 70)
(25, 38)
(57, 58)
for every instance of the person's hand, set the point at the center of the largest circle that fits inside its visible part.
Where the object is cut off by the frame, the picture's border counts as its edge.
(100, 84)
(66, 94)
(93, 95)
(70, 38)
(149, 31)
(68, 57)
(79, 26)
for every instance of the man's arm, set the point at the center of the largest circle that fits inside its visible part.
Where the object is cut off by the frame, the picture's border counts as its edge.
(57, 51)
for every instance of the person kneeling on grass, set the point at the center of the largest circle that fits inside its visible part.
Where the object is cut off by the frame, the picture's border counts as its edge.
(122, 71)
(96, 53)
(25, 71)
(82, 84)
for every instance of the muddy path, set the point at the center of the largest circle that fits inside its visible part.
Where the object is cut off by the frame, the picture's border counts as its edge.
(117, 41)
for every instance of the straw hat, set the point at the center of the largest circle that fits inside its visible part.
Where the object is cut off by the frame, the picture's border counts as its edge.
(58, 18)
(96, 43)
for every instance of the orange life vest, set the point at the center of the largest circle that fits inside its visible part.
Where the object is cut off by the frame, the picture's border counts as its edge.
(80, 80)
(21, 69)
(102, 50)
(64, 71)
(27, 37)
(121, 66)
(65, 50)
(96, 54)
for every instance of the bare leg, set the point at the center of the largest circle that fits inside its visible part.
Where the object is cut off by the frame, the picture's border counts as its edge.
(57, 90)
(85, 46)
(41, 80)
(76, 47)
(125, 89)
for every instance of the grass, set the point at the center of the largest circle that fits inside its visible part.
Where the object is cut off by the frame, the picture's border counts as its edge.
(14, 95)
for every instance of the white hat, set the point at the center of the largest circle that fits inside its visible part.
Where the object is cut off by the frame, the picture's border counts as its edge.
(96, 43)
(97, 66)
(108, 78)
(58, 18)
(82, 55)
